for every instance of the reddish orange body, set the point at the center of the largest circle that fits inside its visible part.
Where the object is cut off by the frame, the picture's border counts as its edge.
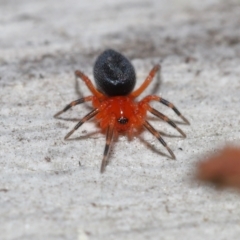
(127, 114)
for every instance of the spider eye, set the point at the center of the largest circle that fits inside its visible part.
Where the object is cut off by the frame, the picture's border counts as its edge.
(122, 120)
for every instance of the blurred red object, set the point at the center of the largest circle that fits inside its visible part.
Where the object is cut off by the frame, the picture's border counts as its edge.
(222, 169)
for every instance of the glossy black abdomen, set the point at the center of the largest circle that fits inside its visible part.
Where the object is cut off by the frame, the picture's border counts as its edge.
(114, 74)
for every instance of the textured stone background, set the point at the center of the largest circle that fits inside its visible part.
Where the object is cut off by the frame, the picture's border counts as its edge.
(44, 193)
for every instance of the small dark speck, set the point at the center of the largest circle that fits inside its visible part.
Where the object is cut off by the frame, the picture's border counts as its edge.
(180, 149)
(233, 40)
(84, 131)
(46, 42)
(79, 163)
(3, 190)
(94, 204)
(226, 73)
(48, 159)
(167, 209)
(31, 75)
(190, 59)
(197, 72)
(41, 75)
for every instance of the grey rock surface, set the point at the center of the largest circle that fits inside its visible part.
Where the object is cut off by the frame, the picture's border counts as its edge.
(44, 192)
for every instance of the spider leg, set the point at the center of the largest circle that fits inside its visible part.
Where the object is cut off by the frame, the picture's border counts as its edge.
(74, 103)
(166, 119)
(83, 120)
(147, 81)
(167, 103)
(109, 138)
(152, 130)
(89, 84)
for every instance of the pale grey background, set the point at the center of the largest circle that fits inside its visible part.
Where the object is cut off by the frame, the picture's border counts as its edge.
(44, 193)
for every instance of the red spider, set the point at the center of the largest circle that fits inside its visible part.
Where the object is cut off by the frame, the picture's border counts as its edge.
(114, 104)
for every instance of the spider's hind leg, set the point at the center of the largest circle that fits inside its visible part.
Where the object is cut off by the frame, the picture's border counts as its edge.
(166, 119)
(152, 130)
(88, 83)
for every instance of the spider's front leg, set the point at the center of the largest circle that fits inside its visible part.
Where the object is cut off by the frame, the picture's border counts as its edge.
(88, 83)
(74, 103)
(147, 81)
(90, 115)
(150, 98)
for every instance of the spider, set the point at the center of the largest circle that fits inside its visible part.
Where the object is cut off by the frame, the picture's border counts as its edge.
(114, 104)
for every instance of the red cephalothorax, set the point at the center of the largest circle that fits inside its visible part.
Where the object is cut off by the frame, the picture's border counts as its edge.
(114, 104)
(124, 111)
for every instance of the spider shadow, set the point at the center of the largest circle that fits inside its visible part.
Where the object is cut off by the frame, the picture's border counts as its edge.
(153, 148)
(155, 119)
(163, 134)
(86, 136)
(179, 122)
(68, 119)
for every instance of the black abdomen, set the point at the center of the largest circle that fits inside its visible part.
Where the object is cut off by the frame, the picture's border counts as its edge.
(114, 74)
